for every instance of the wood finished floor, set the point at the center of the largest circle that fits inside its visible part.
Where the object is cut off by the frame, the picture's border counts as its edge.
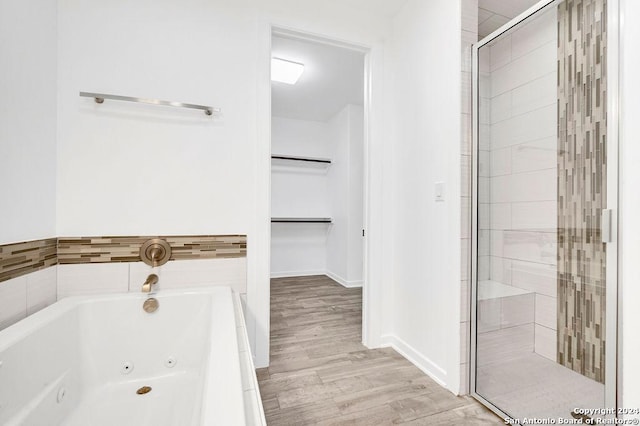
(320, 373)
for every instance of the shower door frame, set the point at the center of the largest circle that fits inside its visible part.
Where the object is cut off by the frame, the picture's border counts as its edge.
(612, 345)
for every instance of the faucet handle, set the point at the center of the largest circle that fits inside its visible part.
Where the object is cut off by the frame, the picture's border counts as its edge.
(152, 280)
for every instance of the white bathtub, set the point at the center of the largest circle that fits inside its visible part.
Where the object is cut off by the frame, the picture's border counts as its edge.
(81, 361)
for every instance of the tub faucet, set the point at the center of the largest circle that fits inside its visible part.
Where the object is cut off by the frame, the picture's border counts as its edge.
(152, 280)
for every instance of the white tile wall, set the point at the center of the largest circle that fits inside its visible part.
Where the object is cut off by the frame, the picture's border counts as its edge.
(501, 108)
(547, 311)
(500, 213)
(537, 32)
(535, 155)
(193, 273)
(501, 268)
(497, 243)
(531, 246)
(523, 69)
(531, 186)
(533, 95)
(13, 301)
(500, 162)
(41, 289)
(545, 342)
(535, 215)
(500, 53)
(533, 125)
(536, 277)
(92, 278)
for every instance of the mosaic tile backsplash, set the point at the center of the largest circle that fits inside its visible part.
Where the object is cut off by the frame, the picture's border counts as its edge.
(582, 167)
(23, 258)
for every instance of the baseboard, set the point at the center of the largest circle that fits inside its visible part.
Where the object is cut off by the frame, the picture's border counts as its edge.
(426, 365)
(288, 274)
(342, 281)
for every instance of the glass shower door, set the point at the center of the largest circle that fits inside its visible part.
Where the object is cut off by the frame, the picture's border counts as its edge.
(541, 331)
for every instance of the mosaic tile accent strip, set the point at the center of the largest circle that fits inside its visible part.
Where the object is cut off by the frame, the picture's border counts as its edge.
(582, 171)
(23, 258)
(127, 249)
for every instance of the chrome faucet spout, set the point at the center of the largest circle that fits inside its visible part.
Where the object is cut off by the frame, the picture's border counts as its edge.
(152, 280)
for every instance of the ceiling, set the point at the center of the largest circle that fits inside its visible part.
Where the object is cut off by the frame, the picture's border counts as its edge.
(333, 77)
(492, 14)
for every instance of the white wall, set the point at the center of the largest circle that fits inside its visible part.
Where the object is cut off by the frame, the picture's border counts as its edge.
(345, 187)
(28, 56)
(629, 244)
(119, 162)
(425, 300)
(299, 189)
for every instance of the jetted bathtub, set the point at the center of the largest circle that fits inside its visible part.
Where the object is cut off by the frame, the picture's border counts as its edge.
(103, 360)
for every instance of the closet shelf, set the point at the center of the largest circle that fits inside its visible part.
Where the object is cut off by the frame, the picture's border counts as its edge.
(308, 160)
(301, 220)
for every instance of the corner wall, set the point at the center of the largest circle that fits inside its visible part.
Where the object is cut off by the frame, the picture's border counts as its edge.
(28, 109)
(425, 305)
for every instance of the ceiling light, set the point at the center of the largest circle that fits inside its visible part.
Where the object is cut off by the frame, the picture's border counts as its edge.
(285, 71)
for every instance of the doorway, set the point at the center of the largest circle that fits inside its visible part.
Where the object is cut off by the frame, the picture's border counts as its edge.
(318, 160)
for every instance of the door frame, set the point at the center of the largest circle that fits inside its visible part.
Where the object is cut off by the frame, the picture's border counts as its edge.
(613, 343)
(368, 310)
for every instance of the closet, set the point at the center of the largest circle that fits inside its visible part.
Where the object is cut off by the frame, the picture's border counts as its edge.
(317, 146)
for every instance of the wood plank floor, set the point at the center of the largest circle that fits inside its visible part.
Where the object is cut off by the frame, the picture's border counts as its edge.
(320, 373)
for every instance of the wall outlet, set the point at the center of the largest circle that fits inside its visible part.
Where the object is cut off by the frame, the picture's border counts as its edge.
(439, 191)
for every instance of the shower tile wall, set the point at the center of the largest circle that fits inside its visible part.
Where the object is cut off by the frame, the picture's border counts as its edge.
(582, 88)
(518, 170)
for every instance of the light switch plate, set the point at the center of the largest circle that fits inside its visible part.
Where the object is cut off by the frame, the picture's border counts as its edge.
(439, 191)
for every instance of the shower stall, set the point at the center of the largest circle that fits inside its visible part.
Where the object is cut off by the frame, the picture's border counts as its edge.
(544, 255)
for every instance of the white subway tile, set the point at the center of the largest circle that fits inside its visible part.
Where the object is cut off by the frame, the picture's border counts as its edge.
(464, 300)
(547, 311)
(484, 216)
(501, 216)
(536, 277)
(484, 242)
(501, 162)
(501, 107)
(500, 270)
(497, 243)
(41, 289)
(484, 267)
(546, 342)
(465, 176)
(535, 94)
(464, 257)
(536, 215)
(464, 340)
(524, 69)
(92, 278)
(532, 186)
(465, 217)
(500, 52)
(13, 301)
(531, 246)
(193, 273)
(484, 163)
(540, 30)
(517, 310)
(466, 89)
(535, 155)
(534, 125)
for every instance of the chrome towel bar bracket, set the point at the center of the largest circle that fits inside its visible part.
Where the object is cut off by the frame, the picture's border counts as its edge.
(101, 97)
